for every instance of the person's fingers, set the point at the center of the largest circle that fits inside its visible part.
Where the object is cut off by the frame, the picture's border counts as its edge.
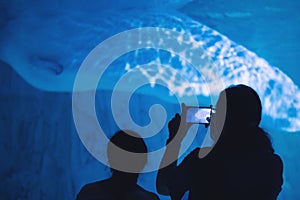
(183, 116)
(183, 110)
(175, 119)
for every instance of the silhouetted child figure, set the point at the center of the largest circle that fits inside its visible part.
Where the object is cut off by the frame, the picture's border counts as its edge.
(241, 165)
(122, 185)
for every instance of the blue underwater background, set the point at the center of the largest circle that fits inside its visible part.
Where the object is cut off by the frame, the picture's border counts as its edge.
(192, 49)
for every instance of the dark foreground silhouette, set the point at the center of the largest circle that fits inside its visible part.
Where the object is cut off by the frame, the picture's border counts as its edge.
(122, 185)
(241, 165)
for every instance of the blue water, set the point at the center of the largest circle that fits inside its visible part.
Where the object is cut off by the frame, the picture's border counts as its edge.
(43, 46)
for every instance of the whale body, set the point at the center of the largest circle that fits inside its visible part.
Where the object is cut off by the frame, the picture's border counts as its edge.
(47, 50)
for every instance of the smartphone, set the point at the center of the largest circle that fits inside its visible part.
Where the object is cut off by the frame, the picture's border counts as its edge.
(198, 115)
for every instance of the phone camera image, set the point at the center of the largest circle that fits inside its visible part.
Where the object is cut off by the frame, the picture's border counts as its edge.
(198, 115)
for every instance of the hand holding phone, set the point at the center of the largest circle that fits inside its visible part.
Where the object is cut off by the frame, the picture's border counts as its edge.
(199, 115)
(190, 115)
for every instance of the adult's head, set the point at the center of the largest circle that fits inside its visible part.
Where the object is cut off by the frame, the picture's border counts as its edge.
(238, 108)
(120, 144)
(239, 112)
(243, 106)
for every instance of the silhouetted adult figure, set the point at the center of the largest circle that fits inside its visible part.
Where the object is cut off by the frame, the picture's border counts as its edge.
(122, 185)
(241, 165)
